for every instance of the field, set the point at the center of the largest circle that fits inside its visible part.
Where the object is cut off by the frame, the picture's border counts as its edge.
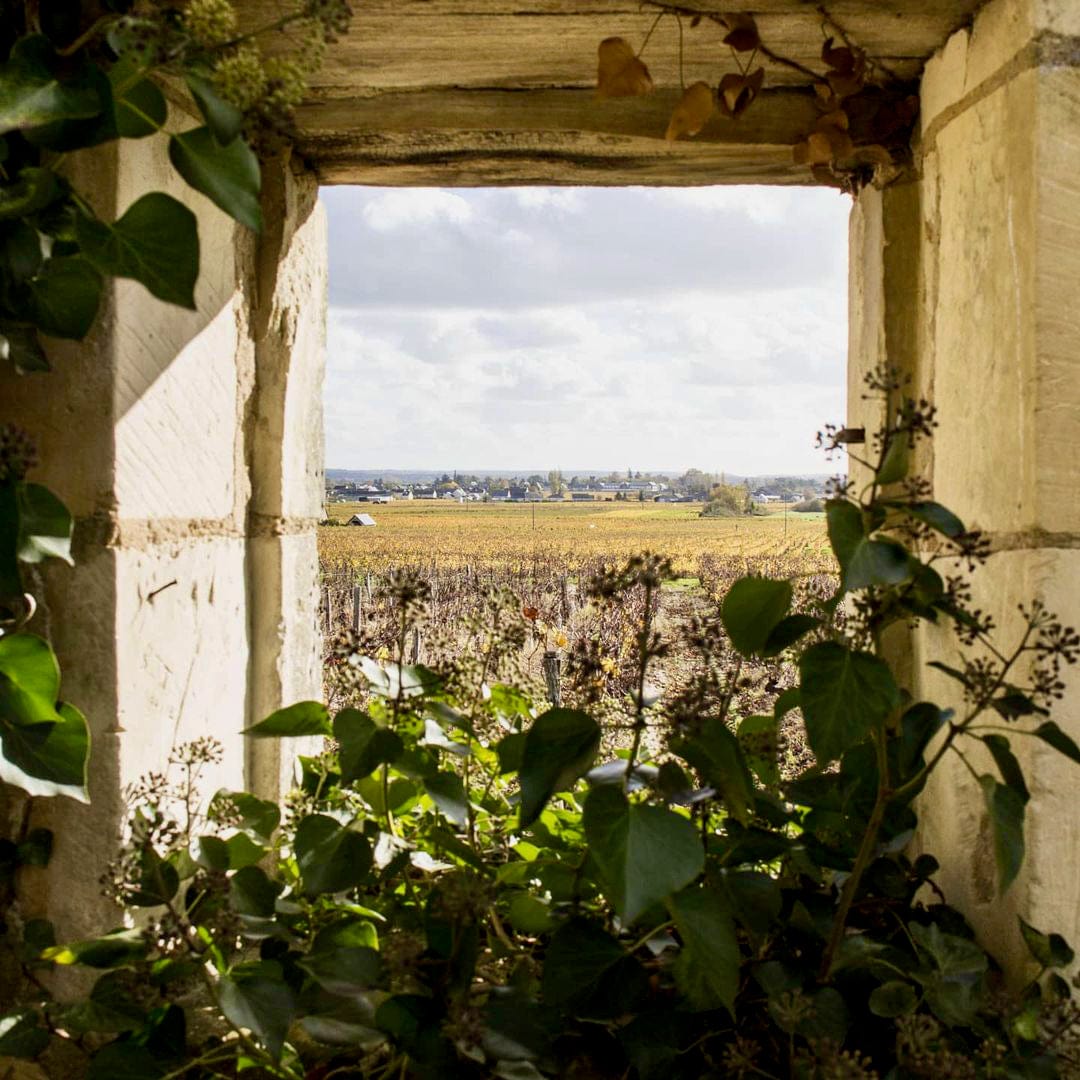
(512, 536)
(540, 559)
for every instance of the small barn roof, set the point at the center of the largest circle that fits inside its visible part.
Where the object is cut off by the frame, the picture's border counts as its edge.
(361, 519)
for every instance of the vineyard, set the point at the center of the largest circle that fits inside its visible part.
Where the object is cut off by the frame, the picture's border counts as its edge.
(534, 575)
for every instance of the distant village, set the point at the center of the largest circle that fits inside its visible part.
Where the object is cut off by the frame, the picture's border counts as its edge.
(692, 486)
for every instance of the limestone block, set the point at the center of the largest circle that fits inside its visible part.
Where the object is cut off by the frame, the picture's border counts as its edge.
(182, 652)
(177, 438)
(953, 821)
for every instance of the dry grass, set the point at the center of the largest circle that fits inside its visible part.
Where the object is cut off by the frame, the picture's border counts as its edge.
(512, 536)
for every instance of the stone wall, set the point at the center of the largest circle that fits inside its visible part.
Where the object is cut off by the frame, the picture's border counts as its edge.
(189, 447)
(966, 279)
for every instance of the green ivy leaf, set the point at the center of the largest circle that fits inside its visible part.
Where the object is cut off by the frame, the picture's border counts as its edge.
(257, 997)
(363, 746)
(119, 948)
(223, 118)
(65, 297)
(897, 460)
(751, 611)
(46, 526)
(863, 562)
(346, 970)
(933, 514)
(294, 721)
(1050, 950)
(787, 632)
(19, 343)
(125, 1059)
(29, 681)
(892, 999)
(1006, 809)
(253, 893)
(844, 695)
(227, 175)
(643, 853)
(155, 242)
(448, 793)
(559, 747)
(717, 755)
(260, 817)
(587, 971)
(707, 970)
(758, 739)
(22, 1035)
(141, 109)
(31, 95)
(955, 984)
(331, 857)
(33, 189)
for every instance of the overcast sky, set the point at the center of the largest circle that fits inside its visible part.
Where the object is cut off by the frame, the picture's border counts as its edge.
(601, 328)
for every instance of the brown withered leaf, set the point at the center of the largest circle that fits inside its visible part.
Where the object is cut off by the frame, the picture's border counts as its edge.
(619, 72)
(695, 22)
(819, 149)
(800, 153)
(837, 118)
(845, 85)
(693, 111)
(743, 33)
(738, 92)
(841, 59)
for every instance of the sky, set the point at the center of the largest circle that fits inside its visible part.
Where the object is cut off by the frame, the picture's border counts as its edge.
(524, 329)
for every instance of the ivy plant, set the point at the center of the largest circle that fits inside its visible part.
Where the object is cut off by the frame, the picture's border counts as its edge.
(466, 884)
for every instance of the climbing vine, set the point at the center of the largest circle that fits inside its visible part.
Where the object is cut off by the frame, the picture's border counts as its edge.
(77, 75)
(865, 112)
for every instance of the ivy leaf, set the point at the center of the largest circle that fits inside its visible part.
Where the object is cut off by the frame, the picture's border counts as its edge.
(125, 1059)
(707, 970)
(643, 853)
(758, 739)
(31, 95)
(897, 459)
(29, 681)
(141, 109)
(587, 971)
(227, 175)
(717, 755)
(222, 117)
(933, 514)
(892, 999)
(19, 343)
(559, 747)
(693, 111)
(331, 857)
(346, 970)
(156, 243)
(48, 759)
(22, 1034)
(1006, 809)
(33, 189)
(1050, 950)
(257, 997)
(65, 296)
(45, 526)
(115, 949)
(752, 609)
(787, 632)
(619, 72)
(362, 745)
(844, 694)
(294, 721)
(863, 562)
(448, 793)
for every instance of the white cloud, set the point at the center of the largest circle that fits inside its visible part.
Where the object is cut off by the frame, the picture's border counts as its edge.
(609, 327)
(406, 208)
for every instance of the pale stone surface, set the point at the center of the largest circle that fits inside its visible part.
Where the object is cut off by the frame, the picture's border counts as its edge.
(977, 301)
(954, 820)
(493, 92)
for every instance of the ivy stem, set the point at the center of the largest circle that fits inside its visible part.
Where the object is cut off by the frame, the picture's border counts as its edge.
(643, 669)
(862, 859)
